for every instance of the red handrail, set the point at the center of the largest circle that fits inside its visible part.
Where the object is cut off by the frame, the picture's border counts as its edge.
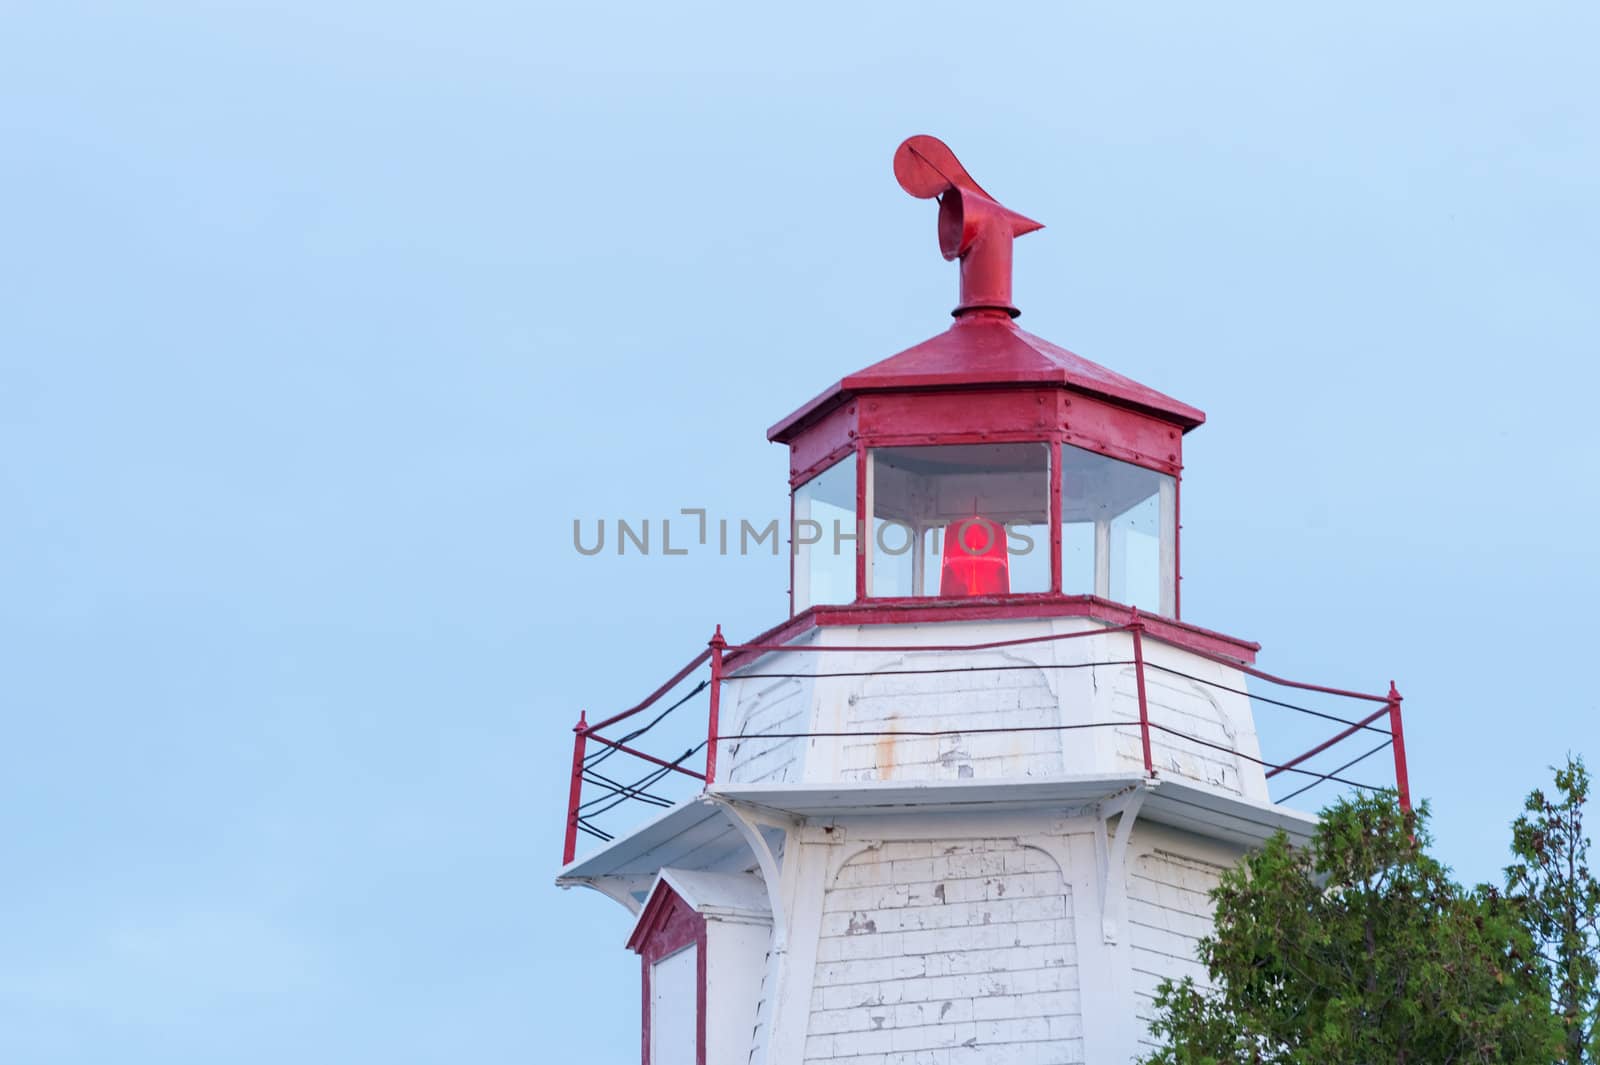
(1137, 628)
(1325, 744)
(1402, 780)
(662, 762)
(575, 792)
(718, 644)
(650, 699)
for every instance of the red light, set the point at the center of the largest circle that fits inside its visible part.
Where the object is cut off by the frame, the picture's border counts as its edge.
(975, 559)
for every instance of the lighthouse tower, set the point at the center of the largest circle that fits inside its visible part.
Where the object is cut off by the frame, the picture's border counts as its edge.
(965, 804)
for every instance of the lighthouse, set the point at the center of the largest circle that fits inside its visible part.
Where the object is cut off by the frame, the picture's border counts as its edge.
(966, 802)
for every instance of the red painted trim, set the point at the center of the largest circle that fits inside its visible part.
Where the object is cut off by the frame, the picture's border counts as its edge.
(662, 762)
(1055, 517)
(1228, 649)
(830, 440)
(863, 522)
(809, 413)
(1263, 675)
(1325, 744)
(828, 462)
(569, 846)
(666, 925)
(1029, 412)
(858, 389)
(650, 699)
(1137, 628)
(988, 645)
(717, 644)
(1402, 776)
(789, 540)
(1110, 430)
(920, 440)
(1177, 545)
(986, 416)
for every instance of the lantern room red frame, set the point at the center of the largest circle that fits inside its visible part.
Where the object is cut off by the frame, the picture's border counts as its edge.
(985, 381)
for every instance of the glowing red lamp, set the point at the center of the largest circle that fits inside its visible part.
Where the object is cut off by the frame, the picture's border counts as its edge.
(975, 559)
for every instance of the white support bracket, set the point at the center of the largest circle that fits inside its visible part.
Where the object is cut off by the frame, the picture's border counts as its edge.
(748, 821)
(1113, 848)
(616, 888)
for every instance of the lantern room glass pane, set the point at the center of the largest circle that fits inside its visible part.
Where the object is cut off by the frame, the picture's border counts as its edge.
(1118, 531)
(959, 520)
(824, 537)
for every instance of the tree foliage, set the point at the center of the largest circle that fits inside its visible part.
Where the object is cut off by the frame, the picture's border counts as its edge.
(1359, 950)
(1554, 892)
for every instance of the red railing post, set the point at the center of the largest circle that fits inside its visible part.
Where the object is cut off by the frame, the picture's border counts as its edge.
(580, 733)
(1402, 782)
(717, 645)
(1136, 628)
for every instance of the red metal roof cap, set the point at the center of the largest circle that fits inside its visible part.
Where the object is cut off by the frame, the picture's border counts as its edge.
(988, 350)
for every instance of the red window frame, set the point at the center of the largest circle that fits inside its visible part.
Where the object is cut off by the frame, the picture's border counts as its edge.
(667, 925)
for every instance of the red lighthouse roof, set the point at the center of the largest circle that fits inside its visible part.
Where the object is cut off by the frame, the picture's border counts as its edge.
(986, 349)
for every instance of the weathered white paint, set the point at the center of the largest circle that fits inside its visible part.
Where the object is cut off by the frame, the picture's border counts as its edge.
(674, 1008)
(737, 959)
(1016, 697)
(1169, 910)
(962, 947)
(763, 1022)
(1035, 685)
(976, 938)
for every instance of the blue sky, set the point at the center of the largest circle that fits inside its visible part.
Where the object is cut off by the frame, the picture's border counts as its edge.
(319, 323)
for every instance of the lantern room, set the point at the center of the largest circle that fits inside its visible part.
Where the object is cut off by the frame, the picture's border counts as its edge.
(985, 464)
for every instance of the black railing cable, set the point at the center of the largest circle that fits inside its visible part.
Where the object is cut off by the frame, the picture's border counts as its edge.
(1323, 778)
(596, 759)
(633, 791)
(644, 782)
(1263, 698)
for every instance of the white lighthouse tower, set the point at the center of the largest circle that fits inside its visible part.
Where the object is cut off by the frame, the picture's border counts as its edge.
(965, 804)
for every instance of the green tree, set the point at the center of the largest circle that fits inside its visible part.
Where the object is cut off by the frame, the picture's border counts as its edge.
(1556, 895)
(1358, 950)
